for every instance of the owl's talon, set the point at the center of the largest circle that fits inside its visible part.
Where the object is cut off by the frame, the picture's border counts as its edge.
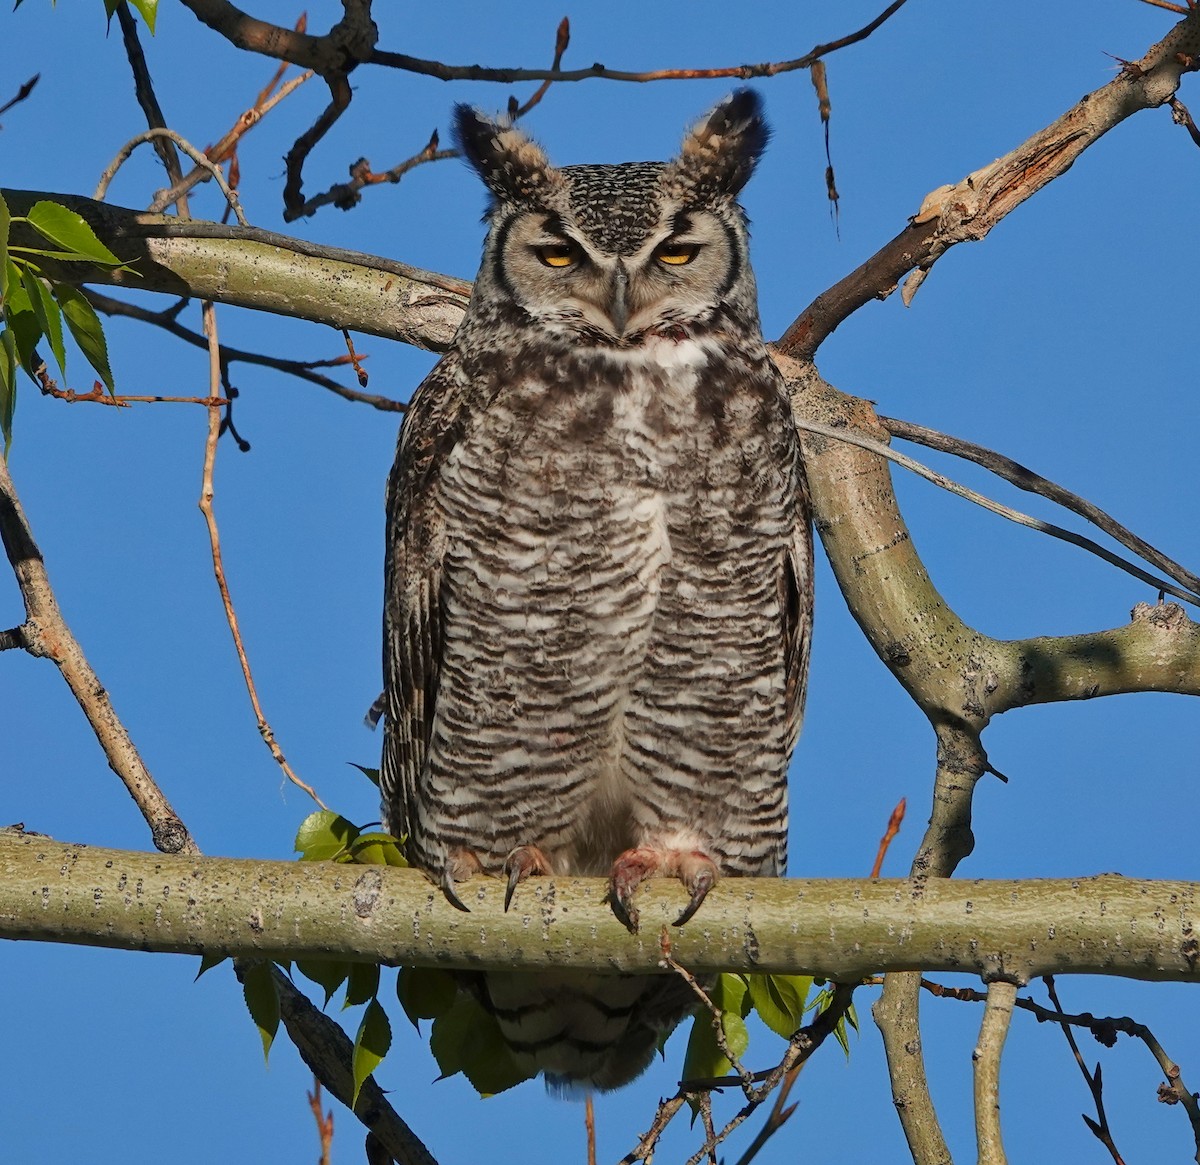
(700, 883)
(523, 861)
(452, 897)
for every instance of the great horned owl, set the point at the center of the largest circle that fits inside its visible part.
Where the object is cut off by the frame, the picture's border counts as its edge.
(598, 578)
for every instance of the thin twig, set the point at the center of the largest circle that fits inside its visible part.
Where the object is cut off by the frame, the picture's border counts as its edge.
(993, 1031)
(99, 395)
(1025, 479)
(324, 1121)
(225, 147)
(987, 503)
(22, 93)
(143, 88)
(589, 1127)
(1094, 1081)
(1105, 1030)
(446, 72)
(151, 135)
(214, 538)
(301, 369)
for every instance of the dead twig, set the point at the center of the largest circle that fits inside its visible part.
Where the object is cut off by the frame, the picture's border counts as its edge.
(226, 147)
(214, 538)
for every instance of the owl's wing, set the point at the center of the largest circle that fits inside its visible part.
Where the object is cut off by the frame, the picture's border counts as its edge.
(796, 601)
(412, 612)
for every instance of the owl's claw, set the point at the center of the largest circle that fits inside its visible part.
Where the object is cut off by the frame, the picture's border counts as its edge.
(699, 881)
(696, 870)
(461, 864)
(523, 861)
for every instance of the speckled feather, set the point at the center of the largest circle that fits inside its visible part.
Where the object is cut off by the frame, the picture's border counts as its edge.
(598, 579)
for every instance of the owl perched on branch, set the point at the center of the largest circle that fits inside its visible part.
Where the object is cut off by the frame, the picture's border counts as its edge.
(599, 568)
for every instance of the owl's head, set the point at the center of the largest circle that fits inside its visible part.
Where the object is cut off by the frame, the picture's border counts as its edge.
(614, 254)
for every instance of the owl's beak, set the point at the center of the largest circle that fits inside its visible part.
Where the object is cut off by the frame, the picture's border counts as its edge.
(618, 309)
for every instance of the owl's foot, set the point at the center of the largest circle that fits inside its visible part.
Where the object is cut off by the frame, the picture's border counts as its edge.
(461, 864)
(694, 868)
(523, 861)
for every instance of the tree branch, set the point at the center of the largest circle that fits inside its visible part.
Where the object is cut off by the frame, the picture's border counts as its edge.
(45, 633)
(993, 1031)
(260, 269)
(840, 929)
(967, 211)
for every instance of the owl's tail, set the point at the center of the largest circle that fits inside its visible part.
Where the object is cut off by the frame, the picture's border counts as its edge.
(582, 1030)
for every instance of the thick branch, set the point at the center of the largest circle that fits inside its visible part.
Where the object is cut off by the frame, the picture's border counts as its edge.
(260, 269)
(841, 929)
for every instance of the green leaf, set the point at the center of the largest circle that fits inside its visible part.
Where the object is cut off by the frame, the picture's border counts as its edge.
(377, 849)
(779, 1001)
(8, 386)
(425, 992)
(329, 974)
(84, 326)
(207, 962)
(467, 1039)
(149, 11)
(704, 1058)
(362, 983)
(22, 320)
(68, 230)
(372, 775)
(324, 835)
(262, 999)
(5, 224)
(49, 316)
(370, 1045)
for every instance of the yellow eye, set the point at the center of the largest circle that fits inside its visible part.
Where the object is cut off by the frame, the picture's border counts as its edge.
(676, 254)
(557, 254)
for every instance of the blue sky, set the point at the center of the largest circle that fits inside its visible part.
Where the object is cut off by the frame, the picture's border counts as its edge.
(1066, 340)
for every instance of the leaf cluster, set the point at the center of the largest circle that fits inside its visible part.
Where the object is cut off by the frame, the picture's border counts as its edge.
(36, 307)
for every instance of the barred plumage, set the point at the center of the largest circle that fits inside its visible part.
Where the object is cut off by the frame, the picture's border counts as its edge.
(598, 581)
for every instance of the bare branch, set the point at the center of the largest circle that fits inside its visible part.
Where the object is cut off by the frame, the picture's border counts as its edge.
(1095, 1084)
(747, 72)
(301, 369)
(968, 211)
(196, 155)
(22, 93)
(1016, 473)
(260, 269)
(214, 538)
(997, 1016)
(45, 633)
(1003, 511)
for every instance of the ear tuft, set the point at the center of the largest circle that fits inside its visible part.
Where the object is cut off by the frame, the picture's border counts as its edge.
(513, 167)
(720, 153)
